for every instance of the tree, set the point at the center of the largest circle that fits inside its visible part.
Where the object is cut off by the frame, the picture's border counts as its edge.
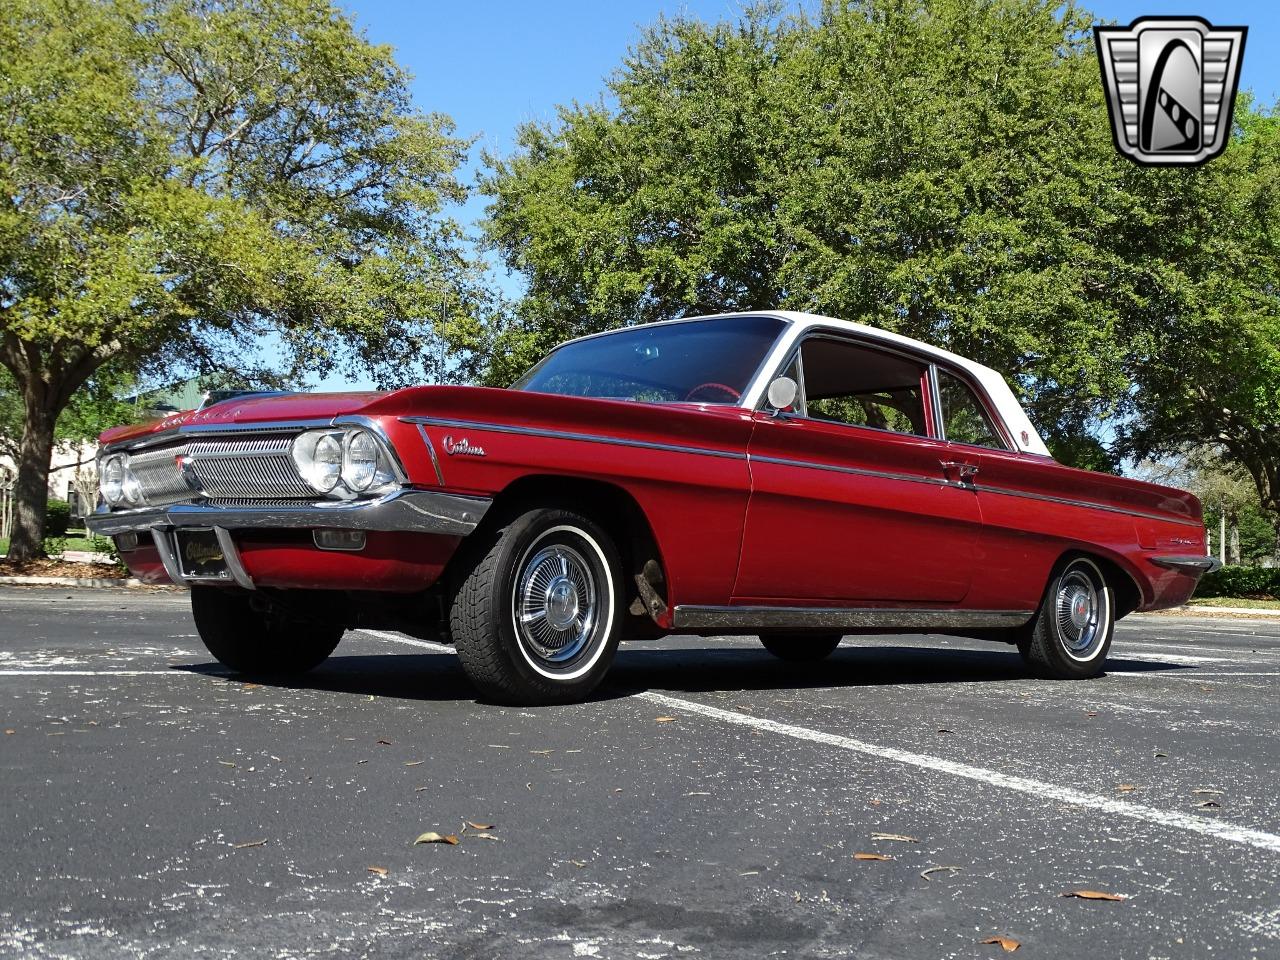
(184, 177)
(1205, 346)
(942, 169)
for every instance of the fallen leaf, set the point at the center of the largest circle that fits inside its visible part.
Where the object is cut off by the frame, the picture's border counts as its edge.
(943, 730)
(380, 871)
(1091, 713)
(1005, 942)
(1158, 754)
(250, 686)
(420, 789)
(871, 856)
(664, 719)
(226, 763)
(1205, 790)
(479, 826)
(578, 863)
(10, 733)
(543, 753)
(484, 835)
(358, 762)
(698, 793)
(1094, 895)
(924, 874)
(413, 763)
(249, 843)
(1127, 787)
(432, 837)
(385, 743)
(894, 836)
(500, 746)
(1206, 804)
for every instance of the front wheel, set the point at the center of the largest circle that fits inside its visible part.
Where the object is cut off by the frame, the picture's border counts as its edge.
(267, 642)
(801, 647)
(536, 617)
(1071, 634)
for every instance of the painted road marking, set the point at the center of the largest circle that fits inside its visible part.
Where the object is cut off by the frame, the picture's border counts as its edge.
(1037, 788)
(396, 638)
(106, 673)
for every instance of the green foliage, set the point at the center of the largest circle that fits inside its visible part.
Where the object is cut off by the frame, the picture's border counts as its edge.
(1253, 582)
(942, 169)
(57, 518)
(186, 176)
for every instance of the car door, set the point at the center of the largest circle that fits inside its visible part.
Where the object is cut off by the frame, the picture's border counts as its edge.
(851, 498)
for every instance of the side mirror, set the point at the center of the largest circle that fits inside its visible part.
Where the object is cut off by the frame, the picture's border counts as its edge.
(782, 393)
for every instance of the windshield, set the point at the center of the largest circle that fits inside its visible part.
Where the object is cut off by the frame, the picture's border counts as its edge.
(707, 361)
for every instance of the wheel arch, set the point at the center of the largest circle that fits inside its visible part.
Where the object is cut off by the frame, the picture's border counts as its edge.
(1128, 594)
(615, 509)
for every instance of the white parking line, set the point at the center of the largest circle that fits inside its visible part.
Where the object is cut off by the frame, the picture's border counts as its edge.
(1192, 674)
(101, 673)
(1039, 789)
(1170, 657)
(396, 638)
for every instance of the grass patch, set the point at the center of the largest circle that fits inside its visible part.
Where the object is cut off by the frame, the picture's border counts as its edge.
(89, 544)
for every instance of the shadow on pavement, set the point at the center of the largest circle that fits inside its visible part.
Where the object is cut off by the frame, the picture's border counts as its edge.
(439, 677)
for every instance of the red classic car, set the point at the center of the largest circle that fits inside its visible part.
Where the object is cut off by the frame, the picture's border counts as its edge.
(774, 474)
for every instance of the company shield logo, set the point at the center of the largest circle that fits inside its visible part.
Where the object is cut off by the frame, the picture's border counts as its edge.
(1171, 86)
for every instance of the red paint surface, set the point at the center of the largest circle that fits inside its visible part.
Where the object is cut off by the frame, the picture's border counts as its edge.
(734, 530)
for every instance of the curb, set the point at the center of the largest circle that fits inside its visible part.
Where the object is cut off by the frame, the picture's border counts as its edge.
(93, 583)
(1199, 610)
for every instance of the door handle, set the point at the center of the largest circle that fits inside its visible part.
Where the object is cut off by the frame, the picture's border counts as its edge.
(964, 472)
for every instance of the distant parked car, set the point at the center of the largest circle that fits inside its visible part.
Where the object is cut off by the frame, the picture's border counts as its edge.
(774, 474)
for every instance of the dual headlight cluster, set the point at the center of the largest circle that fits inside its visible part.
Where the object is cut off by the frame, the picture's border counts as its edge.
(118, 484)
(334, 462)
(340, 463)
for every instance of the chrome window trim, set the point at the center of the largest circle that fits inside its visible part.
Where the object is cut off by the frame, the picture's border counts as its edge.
(752, 618)
(569, 435)
(984, 401)
(863, 471)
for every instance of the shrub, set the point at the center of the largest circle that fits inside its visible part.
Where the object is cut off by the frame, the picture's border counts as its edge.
(57, 518)
(1258, 582)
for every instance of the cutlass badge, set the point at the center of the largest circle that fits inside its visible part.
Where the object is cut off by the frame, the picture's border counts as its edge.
(462, 448)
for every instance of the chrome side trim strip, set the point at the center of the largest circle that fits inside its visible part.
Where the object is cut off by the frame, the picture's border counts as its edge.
(1188, 564)
(1049, 498)
(861, 472)
(415, 511)
(231, 554)
(567, 435)
(843, 618)
(431, 451)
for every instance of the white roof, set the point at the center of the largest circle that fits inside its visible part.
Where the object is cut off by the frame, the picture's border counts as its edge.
(1020, 428)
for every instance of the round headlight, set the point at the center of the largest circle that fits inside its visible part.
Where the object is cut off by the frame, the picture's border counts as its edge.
(318, 457)
(360, 463)
(111, 482)
(131, 488)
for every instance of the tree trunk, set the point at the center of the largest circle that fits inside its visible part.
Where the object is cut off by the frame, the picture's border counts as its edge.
(31, 491)
(1233, 540)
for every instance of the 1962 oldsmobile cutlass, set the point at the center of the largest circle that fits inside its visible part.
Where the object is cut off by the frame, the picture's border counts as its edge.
(773, 474)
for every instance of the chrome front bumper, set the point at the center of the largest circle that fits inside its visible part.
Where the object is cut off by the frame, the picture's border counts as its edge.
(413, 511)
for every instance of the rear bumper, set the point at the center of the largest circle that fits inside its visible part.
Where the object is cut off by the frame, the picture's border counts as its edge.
(412, 511)
(1195, 565)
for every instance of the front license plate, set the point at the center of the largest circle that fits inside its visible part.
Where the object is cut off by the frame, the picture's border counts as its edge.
(200, 555)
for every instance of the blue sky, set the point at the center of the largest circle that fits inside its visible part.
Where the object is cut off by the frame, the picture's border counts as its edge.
(494, 65)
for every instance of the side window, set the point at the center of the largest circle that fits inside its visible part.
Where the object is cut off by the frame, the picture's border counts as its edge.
(849, 383)
(964, 418)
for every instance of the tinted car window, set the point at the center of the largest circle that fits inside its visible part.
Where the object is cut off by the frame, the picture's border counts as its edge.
(853, 384)
(708, 361)
(964, 418)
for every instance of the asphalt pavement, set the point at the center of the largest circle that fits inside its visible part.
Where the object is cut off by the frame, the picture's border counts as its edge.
(711, 801)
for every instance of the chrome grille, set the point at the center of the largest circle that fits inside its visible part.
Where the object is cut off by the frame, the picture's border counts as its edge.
(251, 468)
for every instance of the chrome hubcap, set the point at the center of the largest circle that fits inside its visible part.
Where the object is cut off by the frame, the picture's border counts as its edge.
(1079, 613)
(556, 604)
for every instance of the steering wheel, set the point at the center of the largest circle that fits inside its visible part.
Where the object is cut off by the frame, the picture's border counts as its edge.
(733, 394)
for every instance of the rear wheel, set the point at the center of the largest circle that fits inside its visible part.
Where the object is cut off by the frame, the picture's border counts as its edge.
(536, 618)
(268, 642)
(1071, 634)
(801, 647)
